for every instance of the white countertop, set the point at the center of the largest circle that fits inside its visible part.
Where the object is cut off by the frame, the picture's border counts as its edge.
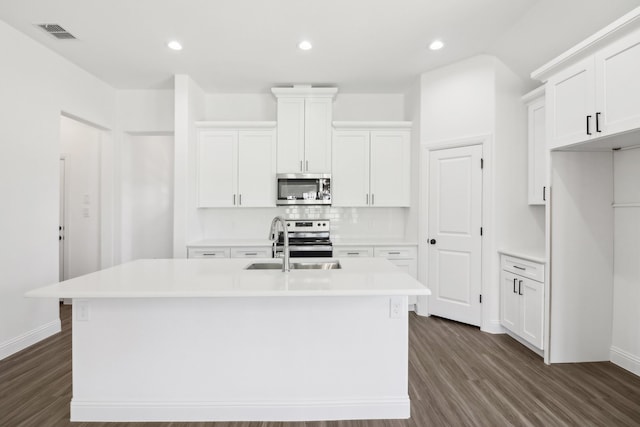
(188, 278)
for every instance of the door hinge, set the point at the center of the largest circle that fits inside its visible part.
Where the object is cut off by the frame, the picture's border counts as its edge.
(481, 231)
(481, 163)
(480, 298)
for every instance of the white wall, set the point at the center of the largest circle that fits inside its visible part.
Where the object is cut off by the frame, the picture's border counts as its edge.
(625, 346)
(240, 106)
(147, 197)
(480, 97)
(145, 111)
(80, 146)
(369, 107)
(36, 86)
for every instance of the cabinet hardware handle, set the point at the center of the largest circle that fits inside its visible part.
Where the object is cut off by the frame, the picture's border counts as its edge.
(234, 200)
(209, 254)
(514, 286)
(373, 199)
(598, 122)
(301, 170)
(544, 194)
(518, 267)
(307, 164)
(588, 122)
(520, 287)
(240, 199)
(367, 198)
(251, 253)
(394, 253)
(353, 253)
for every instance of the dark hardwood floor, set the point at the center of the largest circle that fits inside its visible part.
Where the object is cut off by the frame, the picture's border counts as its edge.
(458, 376)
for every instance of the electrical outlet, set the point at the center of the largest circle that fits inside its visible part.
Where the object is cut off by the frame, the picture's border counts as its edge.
(395, 307)
(82, 310)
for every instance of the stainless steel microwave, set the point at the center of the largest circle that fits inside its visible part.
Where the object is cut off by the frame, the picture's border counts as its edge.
(303, 189)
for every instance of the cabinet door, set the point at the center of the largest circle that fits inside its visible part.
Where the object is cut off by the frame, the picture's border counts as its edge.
(390, 168)
(256, 169)
(531, 310)
(317, 135)
(618, 85)
(350, 176)
(290, 135)
(570, 104)
(537, 152)
(510, 301)
(217, 168)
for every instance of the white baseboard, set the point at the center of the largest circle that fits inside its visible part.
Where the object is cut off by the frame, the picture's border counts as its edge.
(392, 408)
(625, 360)
(27, 339)
(492, 327)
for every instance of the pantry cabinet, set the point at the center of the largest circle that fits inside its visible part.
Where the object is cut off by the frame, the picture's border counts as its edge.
(596, 96)
(236, 166)
(304, 129)
(522, 298)
(371, 164)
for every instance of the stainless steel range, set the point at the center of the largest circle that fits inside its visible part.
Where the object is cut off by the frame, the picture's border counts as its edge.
(308, 238)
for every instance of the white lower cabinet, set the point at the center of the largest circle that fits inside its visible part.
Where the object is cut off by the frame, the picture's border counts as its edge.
(352, 251)
(522, 299)
(229, 252)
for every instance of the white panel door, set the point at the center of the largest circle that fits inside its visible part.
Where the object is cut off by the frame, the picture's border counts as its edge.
(390, 168)
(531, 310)
(290, 135)
(455, 249)
(350, 176)
(510, 302)
(217, 168)
(317, 135)
(256, 169)
(618, 89)
(571, 105)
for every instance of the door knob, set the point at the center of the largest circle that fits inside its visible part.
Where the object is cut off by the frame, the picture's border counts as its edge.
(432, 241)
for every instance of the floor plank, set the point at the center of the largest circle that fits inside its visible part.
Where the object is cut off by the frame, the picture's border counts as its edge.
(458, 376)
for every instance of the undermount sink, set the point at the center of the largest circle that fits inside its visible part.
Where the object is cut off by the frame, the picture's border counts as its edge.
(331, 265)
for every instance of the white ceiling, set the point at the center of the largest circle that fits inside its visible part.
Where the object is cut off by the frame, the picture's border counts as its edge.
(251, 45)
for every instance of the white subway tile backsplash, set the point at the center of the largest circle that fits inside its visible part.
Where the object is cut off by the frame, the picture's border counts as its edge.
(346, 223)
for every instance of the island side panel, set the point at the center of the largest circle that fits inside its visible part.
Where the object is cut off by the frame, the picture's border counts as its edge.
(257, 358)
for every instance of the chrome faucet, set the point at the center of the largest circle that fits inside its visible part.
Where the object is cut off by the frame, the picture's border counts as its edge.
(273, 236)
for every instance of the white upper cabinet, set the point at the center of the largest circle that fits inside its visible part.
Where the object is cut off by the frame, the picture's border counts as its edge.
(618, 89)
(236, 164)
(304, 129)
(537, 141)
(593, 89)
(571, 105)
(350, 178)
(371, 164)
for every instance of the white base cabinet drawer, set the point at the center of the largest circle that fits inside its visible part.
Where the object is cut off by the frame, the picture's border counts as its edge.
(208, 252)
(522, 267)
(396, 253)
(352, 251)
(253, 252)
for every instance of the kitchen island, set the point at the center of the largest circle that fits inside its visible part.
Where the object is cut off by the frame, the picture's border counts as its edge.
(208, 340)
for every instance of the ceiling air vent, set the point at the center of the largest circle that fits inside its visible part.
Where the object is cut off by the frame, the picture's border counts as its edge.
(56, 31)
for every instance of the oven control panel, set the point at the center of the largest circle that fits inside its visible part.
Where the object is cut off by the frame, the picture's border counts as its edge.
(307, 225)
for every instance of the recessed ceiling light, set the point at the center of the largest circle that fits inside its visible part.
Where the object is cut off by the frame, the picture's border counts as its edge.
(436, 45)
(305, 45)
(175, 45)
